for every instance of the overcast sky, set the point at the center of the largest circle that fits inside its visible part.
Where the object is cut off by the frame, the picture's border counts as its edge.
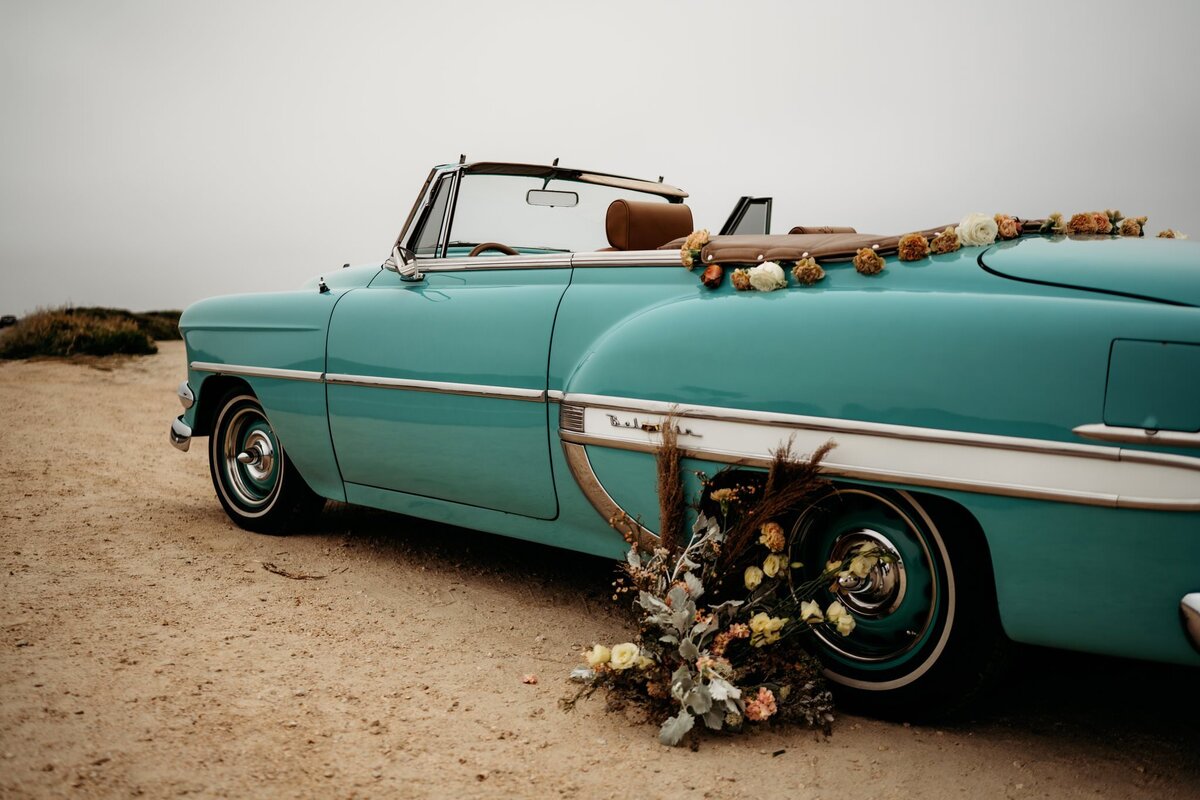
(154, 153)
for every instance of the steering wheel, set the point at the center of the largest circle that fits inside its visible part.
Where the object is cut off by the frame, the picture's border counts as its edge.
(484, 246)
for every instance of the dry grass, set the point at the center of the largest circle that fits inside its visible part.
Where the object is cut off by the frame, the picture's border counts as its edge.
(672, 500)
(88, 331)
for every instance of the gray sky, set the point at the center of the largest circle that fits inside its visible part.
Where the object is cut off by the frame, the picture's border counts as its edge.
(154, 153)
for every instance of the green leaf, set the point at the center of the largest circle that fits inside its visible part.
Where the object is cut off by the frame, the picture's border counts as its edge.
(715, 719)
(698, 700)
(674, 729)
(695, 587)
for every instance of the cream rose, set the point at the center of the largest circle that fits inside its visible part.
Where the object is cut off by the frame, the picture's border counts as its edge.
(624, 655)
(977, 229)
(766, 629)
(840, 617)
(644, 663)
(861, 566)
(767, 277)
(753, 577)
(773, 564)
(599, 654)
(810, 612)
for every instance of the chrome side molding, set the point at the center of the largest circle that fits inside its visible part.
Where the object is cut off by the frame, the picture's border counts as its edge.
(1189, 610)
(1142, 436)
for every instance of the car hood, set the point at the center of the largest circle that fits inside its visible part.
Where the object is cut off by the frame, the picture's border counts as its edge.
(1162, 270)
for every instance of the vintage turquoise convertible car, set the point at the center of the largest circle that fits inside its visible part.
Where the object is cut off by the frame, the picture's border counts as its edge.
(1019, 423)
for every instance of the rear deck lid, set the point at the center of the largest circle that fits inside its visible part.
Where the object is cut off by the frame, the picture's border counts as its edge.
(1164, 270)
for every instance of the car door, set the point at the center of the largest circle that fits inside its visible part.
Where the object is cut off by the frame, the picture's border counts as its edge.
(437, 387)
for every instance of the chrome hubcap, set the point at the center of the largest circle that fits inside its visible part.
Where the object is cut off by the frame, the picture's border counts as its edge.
(882, 590)
(258, 457)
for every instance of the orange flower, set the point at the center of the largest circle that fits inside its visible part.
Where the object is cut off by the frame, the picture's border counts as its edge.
(740, 279)
(868, 262)
(945, 242)
(1102, 222)
(807, 271)
(712, 276)
(1133, 226)
(1082, 224)
(913, 247)
(1008, 227)
(762, 706)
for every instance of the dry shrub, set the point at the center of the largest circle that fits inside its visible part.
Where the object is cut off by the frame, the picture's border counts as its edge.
(69, 332)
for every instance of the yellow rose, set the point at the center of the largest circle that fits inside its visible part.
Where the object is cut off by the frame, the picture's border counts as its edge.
(753, 577)
(773, 564)
(624, 655)
(598, 655)
(765, 629)
(845, 625)
(810, 612)
(644, 663)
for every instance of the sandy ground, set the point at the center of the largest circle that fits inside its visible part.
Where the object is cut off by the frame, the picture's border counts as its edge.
(145, 651)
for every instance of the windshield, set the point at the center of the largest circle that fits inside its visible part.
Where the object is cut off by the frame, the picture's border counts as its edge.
(533, 215)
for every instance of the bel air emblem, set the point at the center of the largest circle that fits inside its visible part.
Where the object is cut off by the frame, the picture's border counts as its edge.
(648, 427)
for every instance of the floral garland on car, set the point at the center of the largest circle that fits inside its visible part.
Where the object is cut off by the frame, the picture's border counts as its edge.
(975, 230)
(722, 616)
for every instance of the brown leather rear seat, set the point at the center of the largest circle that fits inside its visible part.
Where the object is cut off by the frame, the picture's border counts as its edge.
(633, 225)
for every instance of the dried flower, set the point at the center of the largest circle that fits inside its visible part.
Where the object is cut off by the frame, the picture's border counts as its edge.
(1101, 222)
(723, 495)
(810, 612)
(767, 277)
(1007, 227)
(644, 663)
(624, 655)
(771, 535)
(868, 262)
(1053, 225)
(913, 247)
(712, 276)
(1171, 233)
(1133, 226)
(807, 271)
(976, 229)
(861, 566)
(837, 614)
(945, 242)
(762, 706)
(752, 577)
(774, 564)
(1081, 225)
(692, 246)
(697, 239)
(740, 279)
(765, 629)
(599, 654)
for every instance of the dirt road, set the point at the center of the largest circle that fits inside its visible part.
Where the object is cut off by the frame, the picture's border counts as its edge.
(146, 651)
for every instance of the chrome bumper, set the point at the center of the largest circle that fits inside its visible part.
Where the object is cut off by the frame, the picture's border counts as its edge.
(181, 434)
(1189, 610)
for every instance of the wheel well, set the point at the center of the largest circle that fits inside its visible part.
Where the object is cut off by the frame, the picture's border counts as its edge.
(963, 533)
(211, 392)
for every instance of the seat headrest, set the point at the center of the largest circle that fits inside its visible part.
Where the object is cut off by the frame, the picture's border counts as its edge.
(632, 225)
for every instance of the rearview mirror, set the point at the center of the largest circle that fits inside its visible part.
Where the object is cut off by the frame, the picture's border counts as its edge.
(549, 197)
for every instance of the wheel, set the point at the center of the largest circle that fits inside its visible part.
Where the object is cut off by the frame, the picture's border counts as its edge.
(257, 484)
(927, 637)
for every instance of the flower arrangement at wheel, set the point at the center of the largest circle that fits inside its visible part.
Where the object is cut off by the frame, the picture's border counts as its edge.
(723, 620)
(975, 230)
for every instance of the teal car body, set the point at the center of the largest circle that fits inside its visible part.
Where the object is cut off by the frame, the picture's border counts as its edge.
(1047, 390)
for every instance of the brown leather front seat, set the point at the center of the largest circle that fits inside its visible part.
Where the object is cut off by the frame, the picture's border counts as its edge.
(633, 225)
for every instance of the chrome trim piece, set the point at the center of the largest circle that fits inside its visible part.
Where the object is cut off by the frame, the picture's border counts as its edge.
(585, 477)
(186, 398)
(1141, 436)
(441, 387)
(733, 453)
(554, 395)
(831, 425)
(460, 264)
(1189, 610)
(256, 372)
(627, 258)
(181, 434)
(570, 418)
